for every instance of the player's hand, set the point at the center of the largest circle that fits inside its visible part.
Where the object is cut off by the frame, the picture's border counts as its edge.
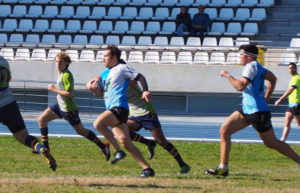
(147, 96)
(224, 73)
(51, 87)
(277, 103)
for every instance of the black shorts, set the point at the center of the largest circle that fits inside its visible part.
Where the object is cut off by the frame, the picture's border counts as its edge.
(72, 117)
(149, 121)
(121, 113)
(295, 110)
(261, 121)
(11, 117)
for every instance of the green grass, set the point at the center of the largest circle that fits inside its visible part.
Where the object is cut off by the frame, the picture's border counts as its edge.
(82, 168)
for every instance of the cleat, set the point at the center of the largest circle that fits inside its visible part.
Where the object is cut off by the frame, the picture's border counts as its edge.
(149, 172)
(106, 151)
(151, 148)
(185, 169)
(34, 152)
(49, 158)
(118, 156)
(217, 172)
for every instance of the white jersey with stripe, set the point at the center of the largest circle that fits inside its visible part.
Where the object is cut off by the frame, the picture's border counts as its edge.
(5, 91)
(114, 82)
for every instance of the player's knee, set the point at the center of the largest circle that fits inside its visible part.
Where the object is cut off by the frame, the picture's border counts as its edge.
(41, 120)
(224, 131)
(161, 141)
(99, 125)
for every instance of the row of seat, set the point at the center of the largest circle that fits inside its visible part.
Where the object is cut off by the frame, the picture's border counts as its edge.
(211, 3)
(167, 57)
(120, 27)
(81, 41)
(129, 13)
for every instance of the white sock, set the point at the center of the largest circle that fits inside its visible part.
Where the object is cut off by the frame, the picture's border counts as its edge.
(222, 166)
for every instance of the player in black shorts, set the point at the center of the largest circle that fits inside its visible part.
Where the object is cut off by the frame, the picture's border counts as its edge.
(11, 117)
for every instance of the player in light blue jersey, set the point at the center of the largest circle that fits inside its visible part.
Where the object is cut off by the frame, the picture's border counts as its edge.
(11, 117)
(255, 110)
(113, 86)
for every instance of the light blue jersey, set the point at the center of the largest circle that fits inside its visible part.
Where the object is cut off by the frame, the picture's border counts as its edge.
(115, 82)
(5, 92)
(254, 94)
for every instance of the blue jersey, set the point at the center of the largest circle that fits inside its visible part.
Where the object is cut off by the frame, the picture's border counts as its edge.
(5, 92)
(254, 94)
(114, 83)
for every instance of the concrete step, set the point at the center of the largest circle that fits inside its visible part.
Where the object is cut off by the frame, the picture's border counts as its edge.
(289, 2)
(277, 29)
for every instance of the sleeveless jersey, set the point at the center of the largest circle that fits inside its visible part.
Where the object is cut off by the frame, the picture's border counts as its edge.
(115, 82)
(254, 94)
(65, 82)
(5, 91)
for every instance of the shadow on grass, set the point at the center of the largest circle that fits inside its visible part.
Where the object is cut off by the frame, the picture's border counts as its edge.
(146, 186)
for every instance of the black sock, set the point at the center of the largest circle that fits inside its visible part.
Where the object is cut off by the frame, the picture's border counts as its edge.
(33, 143)
(44, 135)
(136, 137)
(173, 151)
(92, 137)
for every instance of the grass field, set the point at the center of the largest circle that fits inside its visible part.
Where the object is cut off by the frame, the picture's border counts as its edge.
(82, 168)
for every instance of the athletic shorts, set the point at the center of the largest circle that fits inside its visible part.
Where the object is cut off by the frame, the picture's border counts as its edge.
(261, 121)
(295, 110)
(121, 113)
(11, 117)
(72, 117)
(149, 121)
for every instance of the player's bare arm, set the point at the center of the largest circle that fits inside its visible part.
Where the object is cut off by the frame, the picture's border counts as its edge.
(69, 94)
(239, 84)
(271, 83)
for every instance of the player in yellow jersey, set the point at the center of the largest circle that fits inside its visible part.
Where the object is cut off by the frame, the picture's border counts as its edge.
(293, 94)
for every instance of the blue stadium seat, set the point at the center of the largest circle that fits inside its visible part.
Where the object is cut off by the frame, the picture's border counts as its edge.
(113, 13)
(82, 12)
(73, 26)
(51, 11)
(161, 13)
(66, 12)
(9, 25)
(145, 13)
(121, 27)
(152, 27)
(89, 26)
(105, 27)
(18, 11)
(25, 25)
(34, 11)
(57, 25)
(136, 27)
(129, 13)
(41, 25)
(98, 13)
(5, 11)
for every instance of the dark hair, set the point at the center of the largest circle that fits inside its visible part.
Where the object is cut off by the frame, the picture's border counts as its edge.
(249, 48)
(114, 51)
(293, 64)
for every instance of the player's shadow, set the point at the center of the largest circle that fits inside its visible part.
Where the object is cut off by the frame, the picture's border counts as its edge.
(146, 186)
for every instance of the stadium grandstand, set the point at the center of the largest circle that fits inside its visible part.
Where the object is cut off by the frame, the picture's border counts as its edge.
(33, 31)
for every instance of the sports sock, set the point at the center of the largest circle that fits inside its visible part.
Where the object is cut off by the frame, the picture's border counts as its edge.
(136, 137)
(222, 166)
(33, 143)
(173, 151)
(44, 134)
(92, 137)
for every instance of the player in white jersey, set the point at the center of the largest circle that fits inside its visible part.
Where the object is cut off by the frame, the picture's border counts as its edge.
(255, 110)
(113, 86)
(11, 117)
